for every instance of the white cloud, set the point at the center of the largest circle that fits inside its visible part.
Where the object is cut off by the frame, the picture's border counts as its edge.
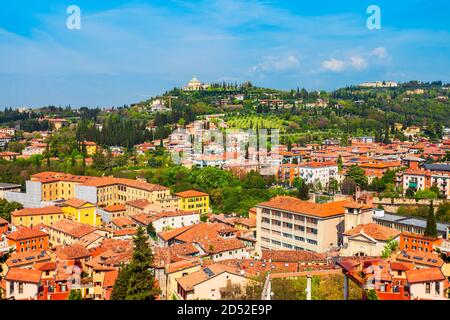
(274, 64)
(358, 62)
(380, 53)
(333, 65)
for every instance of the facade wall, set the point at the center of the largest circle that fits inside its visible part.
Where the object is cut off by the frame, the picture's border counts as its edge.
(175, 222)
(37, 243)
(427, 290)
(86, 215)
(280, 230)
(210, 289)
(33, 220)
(21, 290)
(199, 204)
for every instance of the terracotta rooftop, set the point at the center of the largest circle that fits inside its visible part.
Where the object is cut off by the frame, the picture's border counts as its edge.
(325, 210)
(25, 233)
(420, 257)
(140, 203)
(191, 280)
(73, 252)
(115, 208)
(375, 231)
(77, 203)
(37, 211)
(424, 275)
(28, 257)
(72, 228)
(191, 194)
(24, 275)
(292, 256)
(125, 232)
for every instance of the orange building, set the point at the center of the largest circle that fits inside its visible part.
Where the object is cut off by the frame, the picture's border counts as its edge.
(3, 226)
(380, 168)
(27, 239)
(414, 241)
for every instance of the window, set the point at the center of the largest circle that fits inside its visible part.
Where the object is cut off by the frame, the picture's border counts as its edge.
(427, 287)
(20, 287)
(437, 287)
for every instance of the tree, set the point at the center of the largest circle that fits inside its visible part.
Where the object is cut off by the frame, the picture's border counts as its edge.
(431, 228)
(151, 230)
(372, 295)
(120, 288)
(254, 180)
(302, 188)
(136, 281)
(348, 186)
(410, 193)
(357, 174)
(340, 163)
(389, 248)
(426, 194)
(75, 295)
(7, 207)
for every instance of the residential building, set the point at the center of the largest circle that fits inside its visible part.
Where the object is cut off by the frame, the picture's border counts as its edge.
(419, 179)
(290, 223)
(193, 200)
(81, 211)
(27, 239)
(426, 284)
(367, 240)
(30, 217)
(414, 241)
(167, 220)
(68, 232)
(22, 284)
(210, 282)
(318, 173)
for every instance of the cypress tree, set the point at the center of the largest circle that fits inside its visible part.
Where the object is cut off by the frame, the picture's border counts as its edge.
(141, 282)
(136, 280)
(121, 285)
(431, 228)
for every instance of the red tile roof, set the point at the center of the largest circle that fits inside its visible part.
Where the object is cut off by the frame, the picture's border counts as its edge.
(424, 275)
(37, 211)
(72, 228)
(25, 233)
(191, 194)
(115, 208)
(77, 203)
(324, 210)
(374, 231)
(292, 256)
(23, 275)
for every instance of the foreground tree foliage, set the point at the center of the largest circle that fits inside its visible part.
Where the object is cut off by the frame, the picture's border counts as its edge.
(136, 280)
(74, 295)
(7, 207)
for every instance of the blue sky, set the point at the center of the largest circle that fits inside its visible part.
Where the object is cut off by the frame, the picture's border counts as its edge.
(127, 51)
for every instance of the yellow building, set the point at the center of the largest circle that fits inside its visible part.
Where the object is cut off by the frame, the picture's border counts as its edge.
(193, 200)
(56, 185)
(103, 191)
(91, 147)
(81, 211)
(30, 217)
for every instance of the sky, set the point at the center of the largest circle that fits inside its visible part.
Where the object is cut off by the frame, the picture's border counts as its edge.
(129, 51)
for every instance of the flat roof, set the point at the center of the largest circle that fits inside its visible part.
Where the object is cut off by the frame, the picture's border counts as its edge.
(411, 221)
(9, 185)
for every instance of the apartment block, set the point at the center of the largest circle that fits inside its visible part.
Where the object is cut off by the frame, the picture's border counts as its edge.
(290, 223)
